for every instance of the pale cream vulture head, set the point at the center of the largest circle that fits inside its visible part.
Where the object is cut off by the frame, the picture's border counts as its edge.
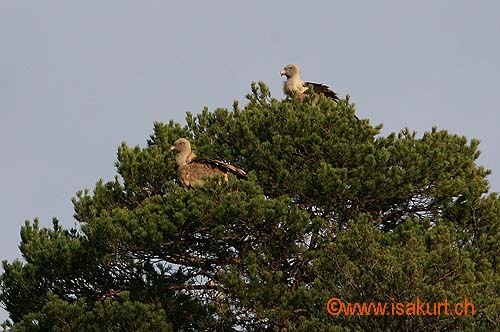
(290, 71)
(184, 153)
(181, 145)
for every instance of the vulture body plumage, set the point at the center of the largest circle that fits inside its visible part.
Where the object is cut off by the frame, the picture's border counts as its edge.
(295, 87)
(193, 170)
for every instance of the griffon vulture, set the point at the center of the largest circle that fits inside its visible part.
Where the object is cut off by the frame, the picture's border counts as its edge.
(193, 170)
(295, 87)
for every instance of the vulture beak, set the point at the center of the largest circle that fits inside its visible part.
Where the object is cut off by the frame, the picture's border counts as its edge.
(172, 147)
(282, 72)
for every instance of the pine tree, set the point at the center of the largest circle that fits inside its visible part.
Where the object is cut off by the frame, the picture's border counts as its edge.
(331, 208)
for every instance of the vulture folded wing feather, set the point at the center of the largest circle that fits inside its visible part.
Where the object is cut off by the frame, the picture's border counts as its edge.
(221, 167)
(324, 90)
(196, 173)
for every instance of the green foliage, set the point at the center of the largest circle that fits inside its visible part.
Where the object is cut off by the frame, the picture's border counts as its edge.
(122, 315)
(331, 209)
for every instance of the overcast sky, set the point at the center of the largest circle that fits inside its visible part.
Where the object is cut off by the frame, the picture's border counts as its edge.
(78, 78)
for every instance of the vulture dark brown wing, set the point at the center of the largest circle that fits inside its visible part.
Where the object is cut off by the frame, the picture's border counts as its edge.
(324, 90)
(221, 166)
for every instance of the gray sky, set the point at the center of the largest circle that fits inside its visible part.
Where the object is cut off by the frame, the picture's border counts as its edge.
(78, 78)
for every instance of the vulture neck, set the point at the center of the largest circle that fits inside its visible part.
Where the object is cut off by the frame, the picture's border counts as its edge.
(295, 85)
(184, 157)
